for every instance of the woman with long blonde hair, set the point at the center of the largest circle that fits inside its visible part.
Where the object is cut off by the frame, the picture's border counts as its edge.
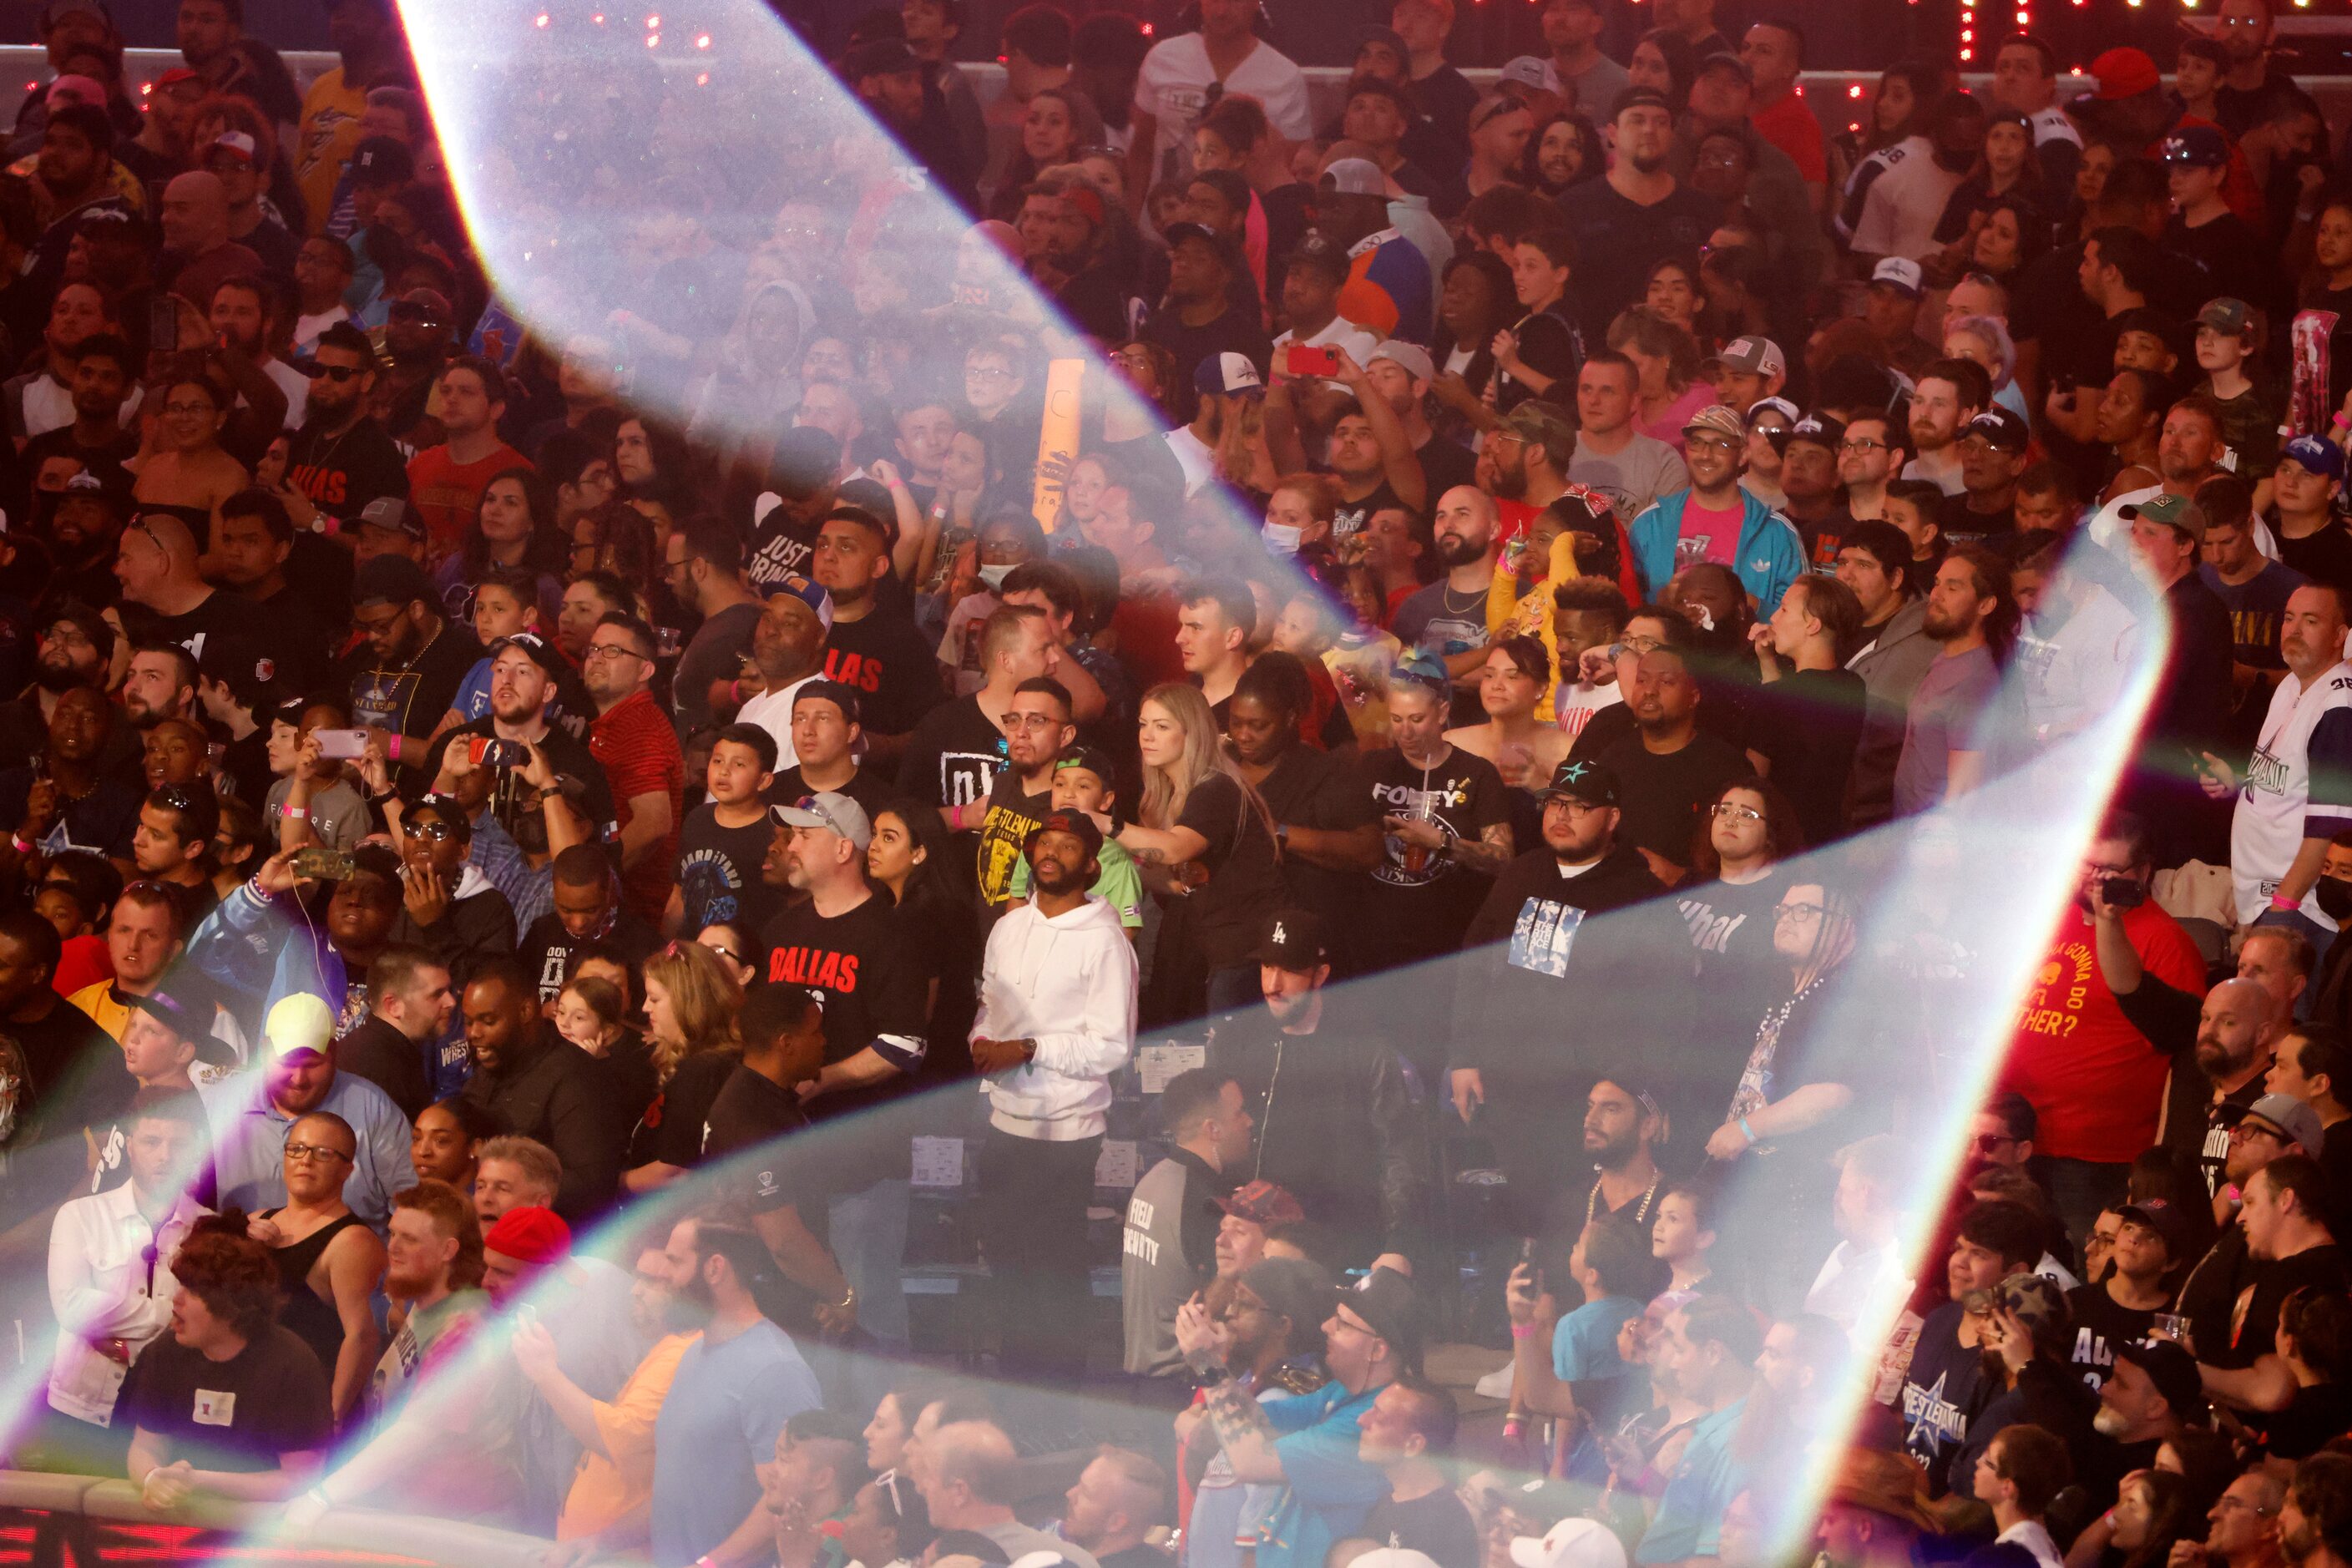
(691, 1000)
(1206, 842)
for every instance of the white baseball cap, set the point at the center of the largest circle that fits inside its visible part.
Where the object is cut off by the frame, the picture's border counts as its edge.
(1571, 1543)
(299, 1022)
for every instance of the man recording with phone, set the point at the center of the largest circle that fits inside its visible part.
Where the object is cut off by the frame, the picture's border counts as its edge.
(2084, 1057)
(523, 674)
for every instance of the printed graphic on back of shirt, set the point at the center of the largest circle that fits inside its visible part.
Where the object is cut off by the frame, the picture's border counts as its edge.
(1543, 935)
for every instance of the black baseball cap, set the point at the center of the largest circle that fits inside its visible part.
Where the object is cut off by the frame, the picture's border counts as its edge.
(392, 580)
(1297, 940)
(1384, 1299)
(191, 1020)
(1594, 784)
(541, 653)
(2173, 1371)
(842, 696)
(2003, 431)
(1077, 823)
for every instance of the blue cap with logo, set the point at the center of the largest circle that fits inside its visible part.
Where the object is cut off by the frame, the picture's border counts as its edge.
(2315, 455)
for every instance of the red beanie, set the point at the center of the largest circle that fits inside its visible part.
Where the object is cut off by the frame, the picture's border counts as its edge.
(530, 1235)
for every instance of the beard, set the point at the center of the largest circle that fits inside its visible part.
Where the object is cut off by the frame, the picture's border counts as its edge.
(1646, 163)
(55, 678)
(1937, 626)
(1455, 550)
(1613, 1152)
(691, 1307)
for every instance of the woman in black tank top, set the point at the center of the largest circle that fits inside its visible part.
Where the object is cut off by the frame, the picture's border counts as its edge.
(313, 1318)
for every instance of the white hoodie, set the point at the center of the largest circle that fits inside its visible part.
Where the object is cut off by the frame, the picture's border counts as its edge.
(1068, 984)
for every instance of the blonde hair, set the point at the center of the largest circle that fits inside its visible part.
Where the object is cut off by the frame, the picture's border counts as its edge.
(703, 998)
(1165, 789)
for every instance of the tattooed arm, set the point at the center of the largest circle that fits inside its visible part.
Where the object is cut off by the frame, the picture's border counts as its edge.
(1490, 853)
(1245, 1434)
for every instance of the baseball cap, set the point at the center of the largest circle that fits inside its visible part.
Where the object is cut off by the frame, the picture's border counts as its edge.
(237, 661)
(1410, 357)
(1573, 1543)
(2038, 1304)
(2174, 512)
(178, 76)
(840, 696)
(1541, 423)
(2315, 454)
(1595, 784)
(1897, 272)
(378, 160)
(1077, 823)
(1640, 98)
(1293, 1288)
(1818, 430)
(529, 1235)
(1384, 1299)
(1754, 355)
(2290, 1116)
(1297, 940)
(531, 645)
(390, 580)
(2173, 1371)
(2198, 147)
(57, 11)
(1176, 233)
(391, 512)
(878, 57)
(813, 595)
(1720, 420)
(426, 305)
(2001, 428)
(1780, 405)
(1724, 59)
(1262, 1203)
(236, 141)
(1387, 38)
(1355, 177)
(1395, 1557)
(1529, 71)
(191, 1021)
(1319, 250)
(1092, 758)
(2166, 1221)
(2231, 317)
(831, 810)
(299, 1022)
(2125, 73)
(1228, 372)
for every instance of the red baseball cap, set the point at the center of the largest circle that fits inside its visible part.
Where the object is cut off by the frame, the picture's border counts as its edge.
(2125, 73)
(529, 1235)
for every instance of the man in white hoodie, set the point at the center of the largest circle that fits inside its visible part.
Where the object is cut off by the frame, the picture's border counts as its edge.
(1056, 1019)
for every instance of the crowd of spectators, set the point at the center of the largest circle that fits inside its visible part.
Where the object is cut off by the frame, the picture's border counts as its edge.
(1406, 595)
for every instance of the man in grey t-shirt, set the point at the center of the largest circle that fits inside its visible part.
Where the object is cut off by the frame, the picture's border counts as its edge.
(1168, 1247)
(1631, 469)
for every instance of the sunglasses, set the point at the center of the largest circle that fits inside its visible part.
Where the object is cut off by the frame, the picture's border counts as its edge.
(432, 829)
(340, 373)
(179, 798)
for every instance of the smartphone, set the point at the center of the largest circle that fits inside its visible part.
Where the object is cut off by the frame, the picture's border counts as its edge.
(164, 324)
(486, 752)
(341, 744)
(2123, 893)
(1305, 359)
(316, 864)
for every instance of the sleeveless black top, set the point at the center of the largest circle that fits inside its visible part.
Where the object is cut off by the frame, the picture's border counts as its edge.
(313, 1321)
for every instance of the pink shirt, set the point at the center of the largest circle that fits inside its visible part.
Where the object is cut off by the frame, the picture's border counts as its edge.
(1669, 427)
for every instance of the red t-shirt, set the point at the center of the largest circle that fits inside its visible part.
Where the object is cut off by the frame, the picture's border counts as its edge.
(639, 751)
(446, 494)
(1791, 126)
(84, 962)
(2095, 1081)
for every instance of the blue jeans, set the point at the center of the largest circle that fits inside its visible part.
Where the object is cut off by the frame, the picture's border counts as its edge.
(867, 1231)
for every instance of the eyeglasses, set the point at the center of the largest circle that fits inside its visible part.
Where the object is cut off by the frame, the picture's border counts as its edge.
(729, 954)
(610, 650)
(1730, 811)
(1796, 912)
(310, 1153)
(2257, 1509)
(1863, 444)
(1635, 646)
(1986, 1143)
(187, 410)
(2253, 1129)
(377, 623)
(339, 373)
(1712, 443)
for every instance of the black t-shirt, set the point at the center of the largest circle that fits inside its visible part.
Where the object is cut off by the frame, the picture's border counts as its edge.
(409, 700)
(1230, 332)
(2237, 265)
(76, 1069)
(104, 463)
(1307, 788)
(239, 1415)
(1807, 724)
(1730, 926)
(568, 756)
(1962, 525)
(341, 474)
(953, 756)
(2322, 1267)
(714, 653)
(751, 1111)
(782, 544)
(1662, 793)
(883, 655)
(2101, 1323)
(2323, 557)
(1618, 241)
(866, 787)
(101, 821)
(1012, 815)
(218, 612)
(1550, 346)
(718, 879)
(1418, 906)
(1436, 1526)
(1221, 916)
(1350, 516)
(671, 1129)
(1445, 464)
(547, 948)
(872, 991)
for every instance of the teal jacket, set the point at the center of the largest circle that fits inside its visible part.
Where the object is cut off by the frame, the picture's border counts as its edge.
(1771, 556)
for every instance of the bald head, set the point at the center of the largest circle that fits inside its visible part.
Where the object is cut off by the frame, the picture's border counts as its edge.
(967, 1474)
(2236, 1016)
(196, 214)
(1464, 526)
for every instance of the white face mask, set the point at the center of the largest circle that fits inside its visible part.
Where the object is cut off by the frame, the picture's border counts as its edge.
(1282, 539)
(994, 576)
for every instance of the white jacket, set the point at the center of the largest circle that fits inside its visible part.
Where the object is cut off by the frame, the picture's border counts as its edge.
(101, 1288)
(1068, 984)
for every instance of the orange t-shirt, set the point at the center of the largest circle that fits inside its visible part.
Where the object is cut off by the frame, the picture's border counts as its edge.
(446, 494)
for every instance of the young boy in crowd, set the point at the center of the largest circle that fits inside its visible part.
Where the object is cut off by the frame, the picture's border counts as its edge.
(1083, 781)
(724, 840)
(1911, 506)
(2226, 344)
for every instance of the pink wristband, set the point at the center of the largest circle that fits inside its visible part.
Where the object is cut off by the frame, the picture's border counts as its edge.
(1523, 1330)
(392, 749)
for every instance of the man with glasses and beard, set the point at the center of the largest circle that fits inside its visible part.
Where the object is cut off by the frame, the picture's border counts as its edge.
(341, 458)
(410, 661)
(85, 520)
(1271, 1311)
(518, 738)
(632, 739)
(74, 650)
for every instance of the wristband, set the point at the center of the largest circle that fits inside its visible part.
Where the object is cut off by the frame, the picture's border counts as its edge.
(1515, 1426)
(1750, 1132)
(23, 846)
(392, 749)
(297, 813)
(2281, 901)
(1523, 1330)
(735, 692)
